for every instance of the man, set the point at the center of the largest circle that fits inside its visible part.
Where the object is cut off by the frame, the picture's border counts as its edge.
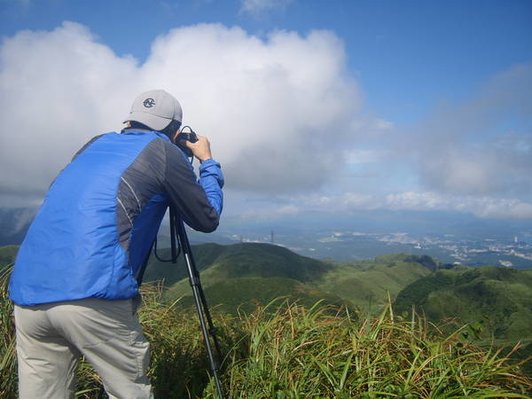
(76, 274)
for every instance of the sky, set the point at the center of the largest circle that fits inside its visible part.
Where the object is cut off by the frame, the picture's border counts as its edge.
(310, 106)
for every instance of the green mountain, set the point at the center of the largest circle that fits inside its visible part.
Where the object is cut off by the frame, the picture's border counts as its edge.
(205, 256)
(243, 275)
(369, 283)
(239, 260)
(496, 301)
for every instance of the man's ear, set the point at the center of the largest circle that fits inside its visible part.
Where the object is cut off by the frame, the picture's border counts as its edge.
(174, 137)
(172, 130)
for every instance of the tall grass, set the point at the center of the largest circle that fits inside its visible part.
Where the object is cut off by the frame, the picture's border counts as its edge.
(307, 353)
(8, 365)
(285, 350)
(179, 365)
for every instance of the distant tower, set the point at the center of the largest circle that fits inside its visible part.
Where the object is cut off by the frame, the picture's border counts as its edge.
(271, 240)
(516, 241)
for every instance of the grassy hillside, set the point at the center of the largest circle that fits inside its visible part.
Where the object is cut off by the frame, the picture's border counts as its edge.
(367, 284)
(204, 254)
(284, 350)
(7, 254)
(492, 302)
(247, 293)
(496, 301)
(298, 352)
(264, 260)
(240, 260)
(245, 274)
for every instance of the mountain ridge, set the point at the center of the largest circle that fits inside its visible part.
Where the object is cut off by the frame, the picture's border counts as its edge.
(496, 301)
(500, 299)
(232, 269)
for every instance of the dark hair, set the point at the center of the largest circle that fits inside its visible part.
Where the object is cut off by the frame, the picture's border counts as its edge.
(171, 128)
(138, 125)
(168, 130)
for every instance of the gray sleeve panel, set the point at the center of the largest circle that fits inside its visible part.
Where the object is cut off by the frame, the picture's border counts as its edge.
(161, 168)
(186, 194)
(141, 181)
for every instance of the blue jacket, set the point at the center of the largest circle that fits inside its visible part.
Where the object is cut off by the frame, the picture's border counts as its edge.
(100, 216)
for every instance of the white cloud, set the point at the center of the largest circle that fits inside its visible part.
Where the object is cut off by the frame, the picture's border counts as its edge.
(482, 146)
(344, 203)
(256, 7)
(262, 102)
(485, 207)
(283, 116)
(58, 88)
(261, 214)
(363, 156)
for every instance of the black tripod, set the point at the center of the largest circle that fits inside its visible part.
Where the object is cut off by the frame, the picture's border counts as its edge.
(177, 230)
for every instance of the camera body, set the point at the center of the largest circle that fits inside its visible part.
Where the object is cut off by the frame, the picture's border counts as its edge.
(186, 136)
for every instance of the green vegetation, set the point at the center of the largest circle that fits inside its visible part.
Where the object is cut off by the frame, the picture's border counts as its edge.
(240, 260)
(205, 256)
(294, 327)
(242, 276)
(247, 293)
(299, 352)
(367, 284)
(8, 366)
(307, 353)
(496, 302)
(7, 255)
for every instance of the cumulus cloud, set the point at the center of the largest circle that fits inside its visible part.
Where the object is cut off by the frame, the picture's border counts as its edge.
(262, 101)
(57, 88)
(283, 116)
(482, 146)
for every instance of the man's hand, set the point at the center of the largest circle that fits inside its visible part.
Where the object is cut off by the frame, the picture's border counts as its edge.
(201, 148)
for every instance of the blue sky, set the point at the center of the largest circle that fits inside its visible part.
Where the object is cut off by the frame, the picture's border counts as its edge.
(311, 105)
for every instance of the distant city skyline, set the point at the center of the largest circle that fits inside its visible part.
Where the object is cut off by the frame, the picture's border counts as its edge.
(311, 106)
(451, 243)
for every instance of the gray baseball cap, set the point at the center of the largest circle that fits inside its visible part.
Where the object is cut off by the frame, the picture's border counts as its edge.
(155, 109)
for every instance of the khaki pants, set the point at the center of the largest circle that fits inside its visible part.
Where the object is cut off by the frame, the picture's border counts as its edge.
(51, 339)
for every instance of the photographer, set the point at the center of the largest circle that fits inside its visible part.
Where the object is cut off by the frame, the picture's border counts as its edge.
(78, 271)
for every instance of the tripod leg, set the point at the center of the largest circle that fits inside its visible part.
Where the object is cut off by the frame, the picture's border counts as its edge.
(201, 304)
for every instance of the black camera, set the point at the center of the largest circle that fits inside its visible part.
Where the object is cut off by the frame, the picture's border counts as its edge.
(186, 136)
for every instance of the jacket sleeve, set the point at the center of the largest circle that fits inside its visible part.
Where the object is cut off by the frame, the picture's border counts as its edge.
(199, 203)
